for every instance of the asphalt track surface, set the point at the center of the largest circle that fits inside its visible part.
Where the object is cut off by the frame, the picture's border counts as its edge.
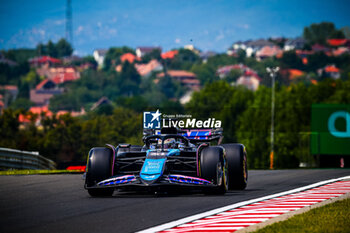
(59, 203)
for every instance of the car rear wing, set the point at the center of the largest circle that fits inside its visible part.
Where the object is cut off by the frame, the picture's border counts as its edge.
(202, 135)
(194, 135)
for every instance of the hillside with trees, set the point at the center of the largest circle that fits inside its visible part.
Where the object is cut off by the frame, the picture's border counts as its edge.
(99, 105)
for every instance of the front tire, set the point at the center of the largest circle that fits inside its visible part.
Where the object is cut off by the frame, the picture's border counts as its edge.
(236, 156)
(213, 167)
(99, 168)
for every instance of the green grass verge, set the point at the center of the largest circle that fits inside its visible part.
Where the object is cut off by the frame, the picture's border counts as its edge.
(334, 217)
(35, 172)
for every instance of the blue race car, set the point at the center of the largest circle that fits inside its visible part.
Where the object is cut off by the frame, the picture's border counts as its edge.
(170, 158)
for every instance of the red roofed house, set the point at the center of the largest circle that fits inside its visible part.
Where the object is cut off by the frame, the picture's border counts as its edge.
(330, 71)
(35, 113)
(339, 51)
(54, 71)
(223, 71)
(249, 79)
(295, 73)
(44, 91)
(169, 55)
(145, 70)
(65, 77)
(338, 42)
(292, 74)
(186, 78)
(268, 51)
(38, 61)
(128, 57)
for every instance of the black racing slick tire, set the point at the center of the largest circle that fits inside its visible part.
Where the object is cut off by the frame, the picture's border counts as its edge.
(99, 168)
(213, 167)
(236, 157)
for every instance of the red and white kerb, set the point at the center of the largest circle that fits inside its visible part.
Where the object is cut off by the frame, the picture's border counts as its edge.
(238, 218)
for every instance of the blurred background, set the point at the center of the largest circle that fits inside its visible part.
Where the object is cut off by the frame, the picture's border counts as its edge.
(77, 74)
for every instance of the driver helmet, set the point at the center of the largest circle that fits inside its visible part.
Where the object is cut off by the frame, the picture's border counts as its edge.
(169, 143)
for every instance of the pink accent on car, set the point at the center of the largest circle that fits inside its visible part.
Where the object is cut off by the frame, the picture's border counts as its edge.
(113, 149)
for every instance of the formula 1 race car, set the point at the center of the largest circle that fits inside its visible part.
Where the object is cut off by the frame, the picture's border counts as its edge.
(170, 157)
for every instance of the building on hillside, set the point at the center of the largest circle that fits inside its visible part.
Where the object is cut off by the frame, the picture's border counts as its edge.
(268, 51)
(330, 71)
(187, 79)
(293, 44)
(223, 71)
(292, 74)
(170, 54)
(131, 58)
(44, 91)
(192, 48)
(340, 51)
(142, 51)
(35, 114)
(250, 80)
(65, 73)
(99, 56)
(145, 70)
(71, 59)
(65, 77)
(44, 60)
(186, 97)
(250, 46)
(339, 42)
(72, 113)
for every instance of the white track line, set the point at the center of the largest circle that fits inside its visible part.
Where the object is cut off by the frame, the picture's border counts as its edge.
(236, 205)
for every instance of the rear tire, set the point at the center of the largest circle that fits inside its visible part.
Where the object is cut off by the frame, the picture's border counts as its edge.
(99, 168)
(213, 167)
(237, 166)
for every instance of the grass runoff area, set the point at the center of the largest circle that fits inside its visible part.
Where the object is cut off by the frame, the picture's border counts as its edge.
(36, 172)
(334, 217)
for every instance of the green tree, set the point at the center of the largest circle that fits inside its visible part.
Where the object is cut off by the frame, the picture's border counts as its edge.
(183, 60)
(316, 61)
(291, 60)
(62, 143)
(170, 88)
(129, 80)
(51, 49)
(9, 129)
(154, 54)
(113, 56)
(63, 48)
(319, 33)
(241, 55)
(253, 127)
(205, 73)
(41, 50)
(233, 76)
(21, 103)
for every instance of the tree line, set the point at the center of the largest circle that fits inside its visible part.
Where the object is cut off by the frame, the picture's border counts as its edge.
(245, 117)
